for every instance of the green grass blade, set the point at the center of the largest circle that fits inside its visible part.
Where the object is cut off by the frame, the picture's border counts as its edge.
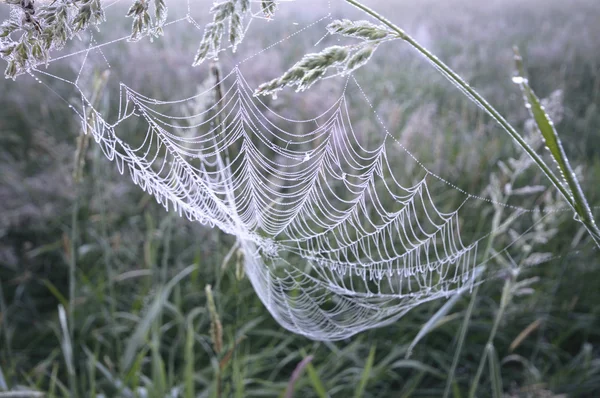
(461, 340)
(314, 378)
(56, 293)
(91, 365)
(289, 392)
(456, 390)
(554, 145)
(53, 379)
(141, 331)
(159, 374)
(504, 301)
(188, 355)
(495, 375)
(366, 374)
(433, 322)
(417, 365)
(412, 385)
(67, 348)
(575, 198)
(108, 375)
(3, 385)
(541, 118)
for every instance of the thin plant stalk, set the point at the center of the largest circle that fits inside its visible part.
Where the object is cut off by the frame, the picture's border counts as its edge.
(573, 195)
(554, 145)
(467, 319)
(506, 294)
(99, 87)
(72, 268)
(461, 340)
(4, 322)
(100, 83)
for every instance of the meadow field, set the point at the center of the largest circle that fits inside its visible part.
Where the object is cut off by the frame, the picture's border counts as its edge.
(105, 294)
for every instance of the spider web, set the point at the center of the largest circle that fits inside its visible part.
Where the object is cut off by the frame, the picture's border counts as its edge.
(335, 238)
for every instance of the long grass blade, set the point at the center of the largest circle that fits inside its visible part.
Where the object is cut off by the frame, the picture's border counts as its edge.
(3, 384)
(412, 385)
(315, 380)
(22, 394)
(495, 375)
(56, 293)
(66, 345)
(524, 334)
(115, 381)
(461, 340)
(159, 374)
(141, 331)
(433, 322)
(289, 392)
(188, 355)
(366, 374)
(576, 199)
(417, 365)
(554, 145)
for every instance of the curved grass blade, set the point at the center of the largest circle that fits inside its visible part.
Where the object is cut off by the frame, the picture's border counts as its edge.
(433, 322)
(495, 375)
(575, 197)
(138, 337)
(366, 374)
(314, 378)
(289, 393)
(554, 145)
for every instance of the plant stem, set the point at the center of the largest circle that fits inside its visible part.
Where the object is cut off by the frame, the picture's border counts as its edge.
(573, 199)
(506, 293)
(72, 268)
(461, 340)
(465, 324)
(4, 322)
(555, 147)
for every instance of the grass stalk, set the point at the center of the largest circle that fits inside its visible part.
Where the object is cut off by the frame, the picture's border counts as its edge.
(72, 282)
(506, 294)
(366, 374)
(4, 323)
(99, 85)
(573, 196)
(461, 340)
(467, 319)
(189, 359)
(554, 145)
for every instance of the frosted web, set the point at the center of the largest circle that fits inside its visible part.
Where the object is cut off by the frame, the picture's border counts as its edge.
(335, 240)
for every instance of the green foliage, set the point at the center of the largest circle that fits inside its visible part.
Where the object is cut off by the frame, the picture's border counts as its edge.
(553, 143)
(136, 333)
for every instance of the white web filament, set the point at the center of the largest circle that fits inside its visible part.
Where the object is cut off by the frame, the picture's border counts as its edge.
(336, 236)
(333, 243)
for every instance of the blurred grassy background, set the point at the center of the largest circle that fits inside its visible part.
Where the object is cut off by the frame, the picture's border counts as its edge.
(134, 334)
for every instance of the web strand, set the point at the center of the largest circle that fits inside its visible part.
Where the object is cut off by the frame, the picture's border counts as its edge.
(335, 240)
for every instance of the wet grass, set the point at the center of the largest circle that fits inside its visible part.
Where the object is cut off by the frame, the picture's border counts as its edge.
(102, 292)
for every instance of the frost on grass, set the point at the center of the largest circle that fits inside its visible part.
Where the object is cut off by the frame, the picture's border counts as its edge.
(344, 59)
(143, 24)
(33, 30)
(230, 14)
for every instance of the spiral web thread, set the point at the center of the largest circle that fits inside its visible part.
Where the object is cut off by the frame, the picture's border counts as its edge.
(333, 242)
